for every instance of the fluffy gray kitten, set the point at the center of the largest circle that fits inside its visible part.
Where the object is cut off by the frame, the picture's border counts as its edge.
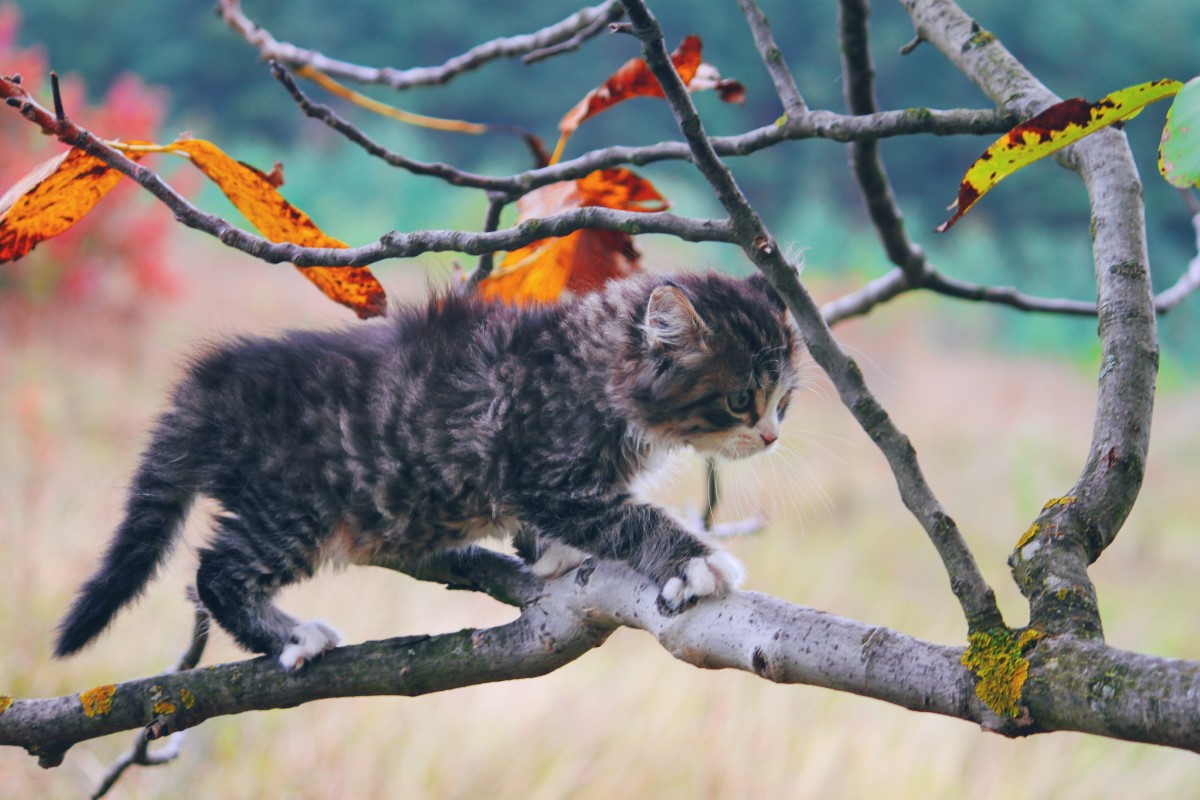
(454, 421)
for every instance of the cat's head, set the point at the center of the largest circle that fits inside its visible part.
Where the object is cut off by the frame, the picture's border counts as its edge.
(714, 364)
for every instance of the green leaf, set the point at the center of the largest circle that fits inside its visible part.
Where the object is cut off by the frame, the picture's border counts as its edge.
(1058, 126)
(1179, 151)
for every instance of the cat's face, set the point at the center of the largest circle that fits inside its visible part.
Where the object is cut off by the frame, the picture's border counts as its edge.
(720, 372)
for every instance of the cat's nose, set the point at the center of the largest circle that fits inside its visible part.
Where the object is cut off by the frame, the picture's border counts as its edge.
(768, 438)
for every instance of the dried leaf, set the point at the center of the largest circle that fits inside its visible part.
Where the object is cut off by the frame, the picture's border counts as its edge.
(634, 79)
(254, 194)
(582, 261)
(50, 199)
(1050, 131)
(1179, 151)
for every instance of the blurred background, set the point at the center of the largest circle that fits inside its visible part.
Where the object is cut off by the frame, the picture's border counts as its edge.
(96, 325)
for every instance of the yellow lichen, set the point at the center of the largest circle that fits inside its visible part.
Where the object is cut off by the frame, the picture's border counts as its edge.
(1028, 637)
(1028, 535)
(980, 39)
(98, 701)
(187, 697)
(5, 702)
(1058, 501)
(994, 658)
(1062, 593)
(163, 708)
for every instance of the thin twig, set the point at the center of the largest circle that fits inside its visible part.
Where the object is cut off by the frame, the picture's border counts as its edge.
(1188, 282)
(809, 125)
(449, 174)
(59, 113)
(615, 12)
(496, 204)
(772, 58)
(140, 753)
(391, 245)
(976, 597)
(858, 79)
(508, 47)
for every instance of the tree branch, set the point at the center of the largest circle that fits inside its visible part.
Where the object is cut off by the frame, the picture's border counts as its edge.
(509, 47)
(1151, 699)
(966, 581)
(858, 85)
(1188, 282)
(1072, 531)
(772, 57)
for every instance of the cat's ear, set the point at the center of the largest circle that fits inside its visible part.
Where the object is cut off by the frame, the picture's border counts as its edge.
(671, 320)
(759, 283)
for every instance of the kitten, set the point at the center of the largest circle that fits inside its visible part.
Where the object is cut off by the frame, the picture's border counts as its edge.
(455, 421)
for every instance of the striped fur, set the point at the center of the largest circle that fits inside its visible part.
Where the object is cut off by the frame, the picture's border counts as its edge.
(450, 422)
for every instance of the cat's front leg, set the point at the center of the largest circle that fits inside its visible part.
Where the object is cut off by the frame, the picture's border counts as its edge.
(685, 567)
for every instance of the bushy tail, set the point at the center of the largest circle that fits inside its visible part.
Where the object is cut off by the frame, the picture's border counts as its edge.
(158, 502)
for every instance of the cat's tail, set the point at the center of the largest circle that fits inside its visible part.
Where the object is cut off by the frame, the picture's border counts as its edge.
(162, 492)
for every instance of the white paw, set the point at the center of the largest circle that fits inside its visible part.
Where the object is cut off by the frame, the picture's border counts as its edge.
(309, 640)
(557, 558)
(714, 574)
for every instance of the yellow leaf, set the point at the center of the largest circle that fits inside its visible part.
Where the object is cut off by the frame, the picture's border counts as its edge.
(1053, 129)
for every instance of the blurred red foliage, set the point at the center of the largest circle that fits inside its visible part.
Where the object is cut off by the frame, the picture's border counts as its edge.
(117, 256)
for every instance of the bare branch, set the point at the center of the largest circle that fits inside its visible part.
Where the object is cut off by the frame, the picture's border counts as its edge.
(496, 204)
(862, 300)
(1188, 282)
(615, 12)
(858, 80)
(806, 125)
(510, 47)
(391, 245)
(772, 57)
(975, 596)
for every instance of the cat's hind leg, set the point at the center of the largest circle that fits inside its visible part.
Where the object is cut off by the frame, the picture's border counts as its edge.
(238, 577)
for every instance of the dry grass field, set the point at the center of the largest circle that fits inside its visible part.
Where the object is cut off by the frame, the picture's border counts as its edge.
(997, 436)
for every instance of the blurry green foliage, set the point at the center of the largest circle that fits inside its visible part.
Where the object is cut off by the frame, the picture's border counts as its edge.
(220, 90)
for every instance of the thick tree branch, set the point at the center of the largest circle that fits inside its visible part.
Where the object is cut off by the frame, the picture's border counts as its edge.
(561, 33)
(1073, 685)
(1050, 564)
(975, 596)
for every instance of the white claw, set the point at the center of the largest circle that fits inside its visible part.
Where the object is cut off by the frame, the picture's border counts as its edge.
(309, 640)
(714, 574)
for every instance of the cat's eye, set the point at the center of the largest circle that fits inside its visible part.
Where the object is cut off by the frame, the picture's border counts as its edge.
(739, 402)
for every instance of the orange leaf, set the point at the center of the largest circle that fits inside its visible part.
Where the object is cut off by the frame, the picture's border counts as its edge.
(634, 79)
(582, 261)
(254, 194)
(50, 199)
